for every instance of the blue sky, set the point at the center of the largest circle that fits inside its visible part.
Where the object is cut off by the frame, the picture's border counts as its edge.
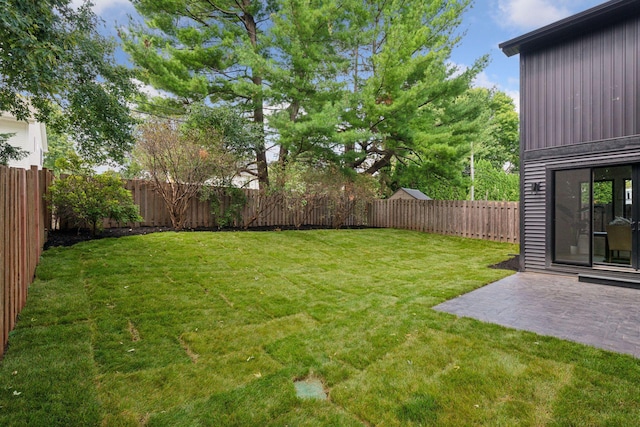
(487, 24)
(491, 22)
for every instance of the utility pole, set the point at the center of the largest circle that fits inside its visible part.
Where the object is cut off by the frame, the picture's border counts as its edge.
(473, 177)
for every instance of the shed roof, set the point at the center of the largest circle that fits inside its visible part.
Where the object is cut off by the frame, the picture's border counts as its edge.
(416, 194)
(587, 21)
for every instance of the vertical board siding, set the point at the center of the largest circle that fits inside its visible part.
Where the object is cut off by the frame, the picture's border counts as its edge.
(582, 90)
(24, 221)
(535, 214)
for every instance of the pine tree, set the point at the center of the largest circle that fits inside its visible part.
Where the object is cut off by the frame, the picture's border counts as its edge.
(359, 84)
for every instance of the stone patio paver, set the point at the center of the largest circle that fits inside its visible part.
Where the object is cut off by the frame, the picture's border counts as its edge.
(603, 316)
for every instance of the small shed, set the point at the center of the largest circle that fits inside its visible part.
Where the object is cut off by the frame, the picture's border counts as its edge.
(580, 142)
(409, 194)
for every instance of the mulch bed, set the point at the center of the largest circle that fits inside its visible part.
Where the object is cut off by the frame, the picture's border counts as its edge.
(71, 237)
(512, 263)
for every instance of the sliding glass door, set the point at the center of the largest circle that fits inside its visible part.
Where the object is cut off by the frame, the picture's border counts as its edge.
(595, 215)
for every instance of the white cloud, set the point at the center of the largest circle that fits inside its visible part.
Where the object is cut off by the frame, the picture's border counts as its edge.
(515, 95)
(101, 6)
(150, 90)
(483, 80)
(529, 14)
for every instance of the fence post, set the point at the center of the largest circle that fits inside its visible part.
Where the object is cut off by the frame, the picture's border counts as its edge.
(4, 205)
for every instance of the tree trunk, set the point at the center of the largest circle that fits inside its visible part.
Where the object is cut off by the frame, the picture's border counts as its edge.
(261, 152)
(349, 147)
(258, 102)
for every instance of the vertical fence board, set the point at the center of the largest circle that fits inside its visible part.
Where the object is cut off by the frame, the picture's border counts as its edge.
(3, 253)
(24, 222)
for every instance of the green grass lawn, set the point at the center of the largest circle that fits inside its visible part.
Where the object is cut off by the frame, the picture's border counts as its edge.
(211, 329)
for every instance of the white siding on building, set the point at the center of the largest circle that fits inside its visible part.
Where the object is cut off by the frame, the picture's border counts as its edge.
(31, 136)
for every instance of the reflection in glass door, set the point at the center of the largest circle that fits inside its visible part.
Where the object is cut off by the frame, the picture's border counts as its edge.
(571, 216)
(612, 223)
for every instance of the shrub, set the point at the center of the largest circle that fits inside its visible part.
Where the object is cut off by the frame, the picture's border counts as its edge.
(182, 158)
(227, 204)
(85, 199)
(303, 189)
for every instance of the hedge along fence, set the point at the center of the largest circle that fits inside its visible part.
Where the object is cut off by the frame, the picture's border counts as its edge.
(24, 220)
(257, 210)
(498, 221)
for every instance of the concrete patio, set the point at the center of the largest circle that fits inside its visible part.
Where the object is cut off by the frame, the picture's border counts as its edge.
(606, 317)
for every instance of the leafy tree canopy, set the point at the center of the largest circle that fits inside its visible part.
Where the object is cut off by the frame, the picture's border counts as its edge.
(52, 57)
(494, 183)
(499, 141)
(59, 146)
(359, 84)
(485, 123)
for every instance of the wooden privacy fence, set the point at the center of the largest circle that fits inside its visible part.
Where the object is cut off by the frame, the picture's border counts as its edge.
(498, 221)
(24, 219)
(259, 210)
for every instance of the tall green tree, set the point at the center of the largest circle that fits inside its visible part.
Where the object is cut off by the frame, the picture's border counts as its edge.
(494, 183)
(59, 146)
(370, 81)
(487, 131)
(205, 51)
(52, 57)
(356, 83)
(405, 92)
(504, 132)
(494, 158)
(308, 39)
(499, 140)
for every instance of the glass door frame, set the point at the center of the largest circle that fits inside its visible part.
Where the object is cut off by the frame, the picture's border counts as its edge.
(558, 226)
(635, 216)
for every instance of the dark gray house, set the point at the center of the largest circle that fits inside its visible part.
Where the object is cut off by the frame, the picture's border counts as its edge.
(580, 143)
